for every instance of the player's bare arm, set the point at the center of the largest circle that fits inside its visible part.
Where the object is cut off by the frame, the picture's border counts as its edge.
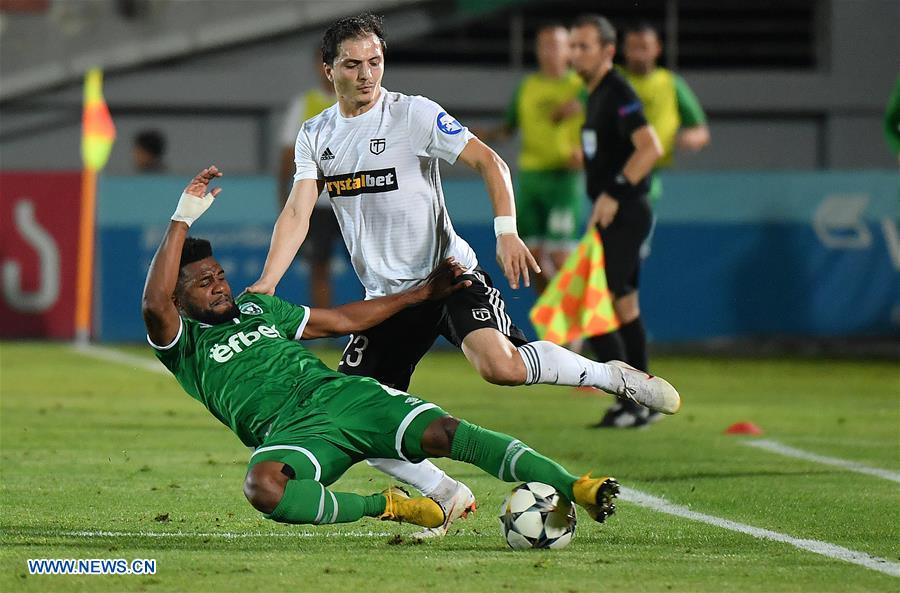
(693, 138)
(361, 315)
(158, 307)
(290, 232)
(647, 150)
(513, 256)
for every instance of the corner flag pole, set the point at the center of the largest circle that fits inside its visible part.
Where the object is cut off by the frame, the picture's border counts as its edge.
(97, 136)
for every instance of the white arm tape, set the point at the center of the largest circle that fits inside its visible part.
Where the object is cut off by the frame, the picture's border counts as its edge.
(504, 225)
(191, 207)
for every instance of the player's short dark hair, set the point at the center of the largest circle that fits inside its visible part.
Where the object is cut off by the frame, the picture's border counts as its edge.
(152, 141)
(351, 27)
(641, 27)
(194, 250)
(605, 29)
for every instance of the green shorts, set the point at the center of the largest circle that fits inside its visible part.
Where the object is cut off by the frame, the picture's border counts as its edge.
(344, 422)
(656, 188)
(549, 208)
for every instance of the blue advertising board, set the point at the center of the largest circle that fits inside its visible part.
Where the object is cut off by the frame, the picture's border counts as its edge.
(734, 255)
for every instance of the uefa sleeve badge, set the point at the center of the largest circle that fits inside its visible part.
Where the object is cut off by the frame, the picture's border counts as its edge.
(448, 124)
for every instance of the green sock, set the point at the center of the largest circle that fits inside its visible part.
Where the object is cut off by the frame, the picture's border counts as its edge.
(507, 458)
(308, 501)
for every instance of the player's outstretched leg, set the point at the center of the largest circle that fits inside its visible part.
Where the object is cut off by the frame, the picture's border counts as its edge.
(510, 460)
(545, 362)
(274, 490)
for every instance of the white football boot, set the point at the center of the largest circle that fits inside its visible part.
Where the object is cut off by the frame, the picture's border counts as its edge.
(653, 392)
(457, 505)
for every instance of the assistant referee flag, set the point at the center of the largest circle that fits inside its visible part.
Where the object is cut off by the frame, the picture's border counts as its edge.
(577, 303)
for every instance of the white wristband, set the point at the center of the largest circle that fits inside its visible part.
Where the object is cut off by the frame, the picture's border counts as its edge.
(191, 207)
(505, 225)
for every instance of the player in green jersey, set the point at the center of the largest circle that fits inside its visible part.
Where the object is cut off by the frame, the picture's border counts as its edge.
(241, 358)
(670, 105)
(547, 110)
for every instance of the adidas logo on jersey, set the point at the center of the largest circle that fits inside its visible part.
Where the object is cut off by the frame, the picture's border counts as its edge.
(238, 342)
(327, 155)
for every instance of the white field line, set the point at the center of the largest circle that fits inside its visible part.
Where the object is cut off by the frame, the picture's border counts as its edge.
(776, 447)
(634, 496)
(130, 360)
(810, 545)
(855, 442)
(178, 534)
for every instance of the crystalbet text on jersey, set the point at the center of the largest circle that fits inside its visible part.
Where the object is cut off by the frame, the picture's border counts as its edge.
(363, 182)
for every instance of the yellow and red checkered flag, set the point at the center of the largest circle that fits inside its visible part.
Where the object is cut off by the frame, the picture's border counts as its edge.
(577, 303)
(97, 129)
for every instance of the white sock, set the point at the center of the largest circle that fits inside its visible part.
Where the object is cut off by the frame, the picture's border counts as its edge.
(545, 362)
(444, 490)
(424, 476)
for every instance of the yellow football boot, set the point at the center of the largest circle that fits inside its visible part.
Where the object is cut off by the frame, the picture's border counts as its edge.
(596, 495)
(420, 510)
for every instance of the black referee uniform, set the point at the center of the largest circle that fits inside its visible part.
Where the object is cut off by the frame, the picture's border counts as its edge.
(614, 112)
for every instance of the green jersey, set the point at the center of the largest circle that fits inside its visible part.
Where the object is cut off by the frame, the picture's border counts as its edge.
(547, 145)
(669, 104)
(249, 370)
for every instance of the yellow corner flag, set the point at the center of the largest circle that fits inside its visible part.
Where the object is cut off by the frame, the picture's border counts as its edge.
(577, 303)
(97, 129)
(97, 136)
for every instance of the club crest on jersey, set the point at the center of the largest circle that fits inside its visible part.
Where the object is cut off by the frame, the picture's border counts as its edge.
(481, 314)
(362, 182)
(250, 309)
(376, 145)
(448, 124)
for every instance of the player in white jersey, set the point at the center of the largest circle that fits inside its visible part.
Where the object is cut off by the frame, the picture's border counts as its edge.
(385, 185)
(376, 152)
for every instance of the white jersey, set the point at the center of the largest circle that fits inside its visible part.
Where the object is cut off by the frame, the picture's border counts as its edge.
(381, 173)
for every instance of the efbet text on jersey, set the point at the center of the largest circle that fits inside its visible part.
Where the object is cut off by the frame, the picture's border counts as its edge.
(237, 342)
(362, 182)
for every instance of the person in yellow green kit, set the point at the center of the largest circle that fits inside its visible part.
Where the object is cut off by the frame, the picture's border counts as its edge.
(670, 105)
(547, 109)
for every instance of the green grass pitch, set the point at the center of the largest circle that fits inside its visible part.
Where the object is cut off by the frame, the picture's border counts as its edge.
(100, 460)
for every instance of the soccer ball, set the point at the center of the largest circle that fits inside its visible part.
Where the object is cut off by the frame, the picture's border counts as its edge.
(535, 515)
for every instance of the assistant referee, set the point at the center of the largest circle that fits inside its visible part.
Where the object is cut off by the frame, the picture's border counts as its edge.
(620, 149)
